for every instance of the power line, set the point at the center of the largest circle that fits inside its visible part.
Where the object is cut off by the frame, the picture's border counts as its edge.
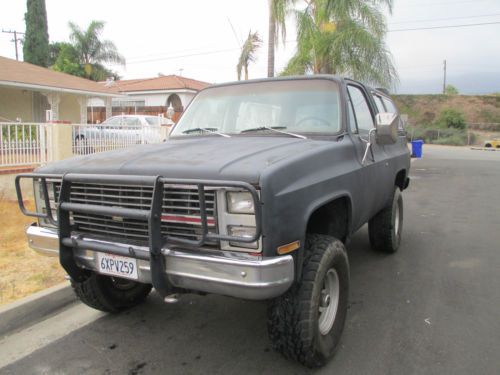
(236, 49)
(445, 19)
(444, 27)
(187, 55)
(447, 3)
(15, 40)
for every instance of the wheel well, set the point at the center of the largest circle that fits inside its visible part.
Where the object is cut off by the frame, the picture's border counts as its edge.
(333, 218)
(487, 145)
(401, 180)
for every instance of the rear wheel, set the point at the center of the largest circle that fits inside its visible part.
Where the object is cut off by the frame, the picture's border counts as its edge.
(306, 323)
(110, 294)
(385, 228)
(487, 145)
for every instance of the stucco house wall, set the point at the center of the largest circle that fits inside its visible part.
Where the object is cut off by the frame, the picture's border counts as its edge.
(69, 108)
(16, 104)
(27, 91)
(149, 99)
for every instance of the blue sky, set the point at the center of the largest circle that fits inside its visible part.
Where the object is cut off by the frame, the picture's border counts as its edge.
(195, 36)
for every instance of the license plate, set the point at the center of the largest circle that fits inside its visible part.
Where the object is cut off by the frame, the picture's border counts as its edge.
(116, 265)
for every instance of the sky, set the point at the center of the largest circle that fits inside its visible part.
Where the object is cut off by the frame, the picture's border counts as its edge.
(201, 39)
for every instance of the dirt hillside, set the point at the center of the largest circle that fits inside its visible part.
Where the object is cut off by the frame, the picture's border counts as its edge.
(424, 109)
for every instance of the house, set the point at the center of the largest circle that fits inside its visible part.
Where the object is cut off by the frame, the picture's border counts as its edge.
(27, 91)
(148, 96)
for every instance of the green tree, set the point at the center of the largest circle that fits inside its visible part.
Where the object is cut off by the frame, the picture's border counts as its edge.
(450, 90)
(250, 47)
(344, 37)
(451, 118)
(278, 10)
(94, 52)
(36, 38)
(65, 59)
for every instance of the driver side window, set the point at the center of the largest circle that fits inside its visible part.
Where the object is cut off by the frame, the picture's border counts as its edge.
(362, 113)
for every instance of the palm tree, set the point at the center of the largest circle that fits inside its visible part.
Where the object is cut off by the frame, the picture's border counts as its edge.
(278, 10)
(93, 51)
(248, 50)
(343, 37)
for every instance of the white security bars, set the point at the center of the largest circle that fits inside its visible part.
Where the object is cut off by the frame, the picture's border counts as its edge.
(32, 144)
(25, 144)
(88, 139)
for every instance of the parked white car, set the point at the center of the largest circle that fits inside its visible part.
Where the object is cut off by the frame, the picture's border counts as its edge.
(121, 130)
(136, 120)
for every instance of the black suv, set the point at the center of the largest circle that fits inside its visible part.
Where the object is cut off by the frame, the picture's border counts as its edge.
(254, 195)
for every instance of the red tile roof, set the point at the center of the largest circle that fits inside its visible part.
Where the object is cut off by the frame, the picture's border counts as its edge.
(14, 72)
(171, 82)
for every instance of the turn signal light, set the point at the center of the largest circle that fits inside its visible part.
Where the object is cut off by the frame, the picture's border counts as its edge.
(288, 248)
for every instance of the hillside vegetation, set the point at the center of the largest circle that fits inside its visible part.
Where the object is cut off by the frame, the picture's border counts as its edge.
(451, 119)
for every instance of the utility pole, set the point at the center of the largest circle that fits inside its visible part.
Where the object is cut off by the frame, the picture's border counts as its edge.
(444, 78)
(15, 40)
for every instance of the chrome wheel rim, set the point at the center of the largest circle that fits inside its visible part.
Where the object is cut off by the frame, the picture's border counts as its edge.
(329, 301)
(396, 220)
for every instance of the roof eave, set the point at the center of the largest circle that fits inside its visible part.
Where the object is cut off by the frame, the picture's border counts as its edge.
(32, 86)
(160, 91)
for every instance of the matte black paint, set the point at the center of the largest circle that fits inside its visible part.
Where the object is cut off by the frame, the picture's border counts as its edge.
(295, 176)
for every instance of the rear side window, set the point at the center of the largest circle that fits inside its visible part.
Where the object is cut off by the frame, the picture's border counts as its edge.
(131, 121)
(379, 104)
(361, 109)
(390, 105)
(112, 121)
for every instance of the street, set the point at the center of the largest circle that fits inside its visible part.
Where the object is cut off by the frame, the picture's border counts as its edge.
(431, 308)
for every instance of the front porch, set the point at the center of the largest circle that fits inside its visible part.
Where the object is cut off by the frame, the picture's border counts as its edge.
(19, 104)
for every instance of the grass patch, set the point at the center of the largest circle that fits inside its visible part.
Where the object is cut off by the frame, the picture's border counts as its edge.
(22, 271)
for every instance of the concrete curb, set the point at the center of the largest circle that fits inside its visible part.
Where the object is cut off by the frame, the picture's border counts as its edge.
(485, 148)
(34, 308)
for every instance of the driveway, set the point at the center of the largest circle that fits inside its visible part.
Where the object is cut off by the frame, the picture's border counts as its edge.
(432, 308)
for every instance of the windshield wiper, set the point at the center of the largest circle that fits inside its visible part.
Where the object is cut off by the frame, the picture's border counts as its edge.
(208, 130)
(274, 129)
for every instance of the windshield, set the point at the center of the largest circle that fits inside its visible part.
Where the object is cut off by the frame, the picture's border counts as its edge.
(298, 106)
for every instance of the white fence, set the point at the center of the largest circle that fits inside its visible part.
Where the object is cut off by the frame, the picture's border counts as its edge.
(32, 144)
(25, 144)
(88, 139)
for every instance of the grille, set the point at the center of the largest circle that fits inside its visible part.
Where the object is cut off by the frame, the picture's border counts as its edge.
(180, 213)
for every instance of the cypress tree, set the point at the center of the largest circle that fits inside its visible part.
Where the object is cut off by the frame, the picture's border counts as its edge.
(36, 39)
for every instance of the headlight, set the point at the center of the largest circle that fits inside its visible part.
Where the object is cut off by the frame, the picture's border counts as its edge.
(53, 191)
(245, 232)
(240, 202)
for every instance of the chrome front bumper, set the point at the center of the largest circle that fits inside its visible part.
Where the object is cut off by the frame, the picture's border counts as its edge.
(227, 273)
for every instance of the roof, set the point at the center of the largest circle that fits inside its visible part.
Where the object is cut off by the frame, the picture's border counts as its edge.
(170, 82)
(22, 74)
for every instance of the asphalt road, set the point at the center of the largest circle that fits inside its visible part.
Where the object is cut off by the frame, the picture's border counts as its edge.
(432, 308)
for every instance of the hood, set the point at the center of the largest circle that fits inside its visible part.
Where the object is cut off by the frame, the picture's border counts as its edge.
(211, 157)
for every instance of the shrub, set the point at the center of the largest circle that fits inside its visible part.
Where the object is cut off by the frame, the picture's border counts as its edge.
(451, 118)
(452, 140)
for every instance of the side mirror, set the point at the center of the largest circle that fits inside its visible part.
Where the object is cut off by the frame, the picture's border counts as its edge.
(387, 128)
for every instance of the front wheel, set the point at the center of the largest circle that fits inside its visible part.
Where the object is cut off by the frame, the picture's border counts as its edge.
(386, 227)
(110, 294)
(306, 323)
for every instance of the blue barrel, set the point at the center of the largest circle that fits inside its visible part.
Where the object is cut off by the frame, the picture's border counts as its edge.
(416, 148)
